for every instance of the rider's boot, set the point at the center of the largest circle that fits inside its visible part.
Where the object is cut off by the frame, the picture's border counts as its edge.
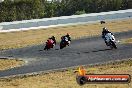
(106, 43)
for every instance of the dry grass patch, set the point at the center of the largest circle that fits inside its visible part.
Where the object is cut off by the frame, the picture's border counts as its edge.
(128, 40)
(33, 37)
(10, 63)
(67, 79)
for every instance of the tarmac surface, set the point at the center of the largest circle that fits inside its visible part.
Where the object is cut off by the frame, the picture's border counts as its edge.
(84, 51)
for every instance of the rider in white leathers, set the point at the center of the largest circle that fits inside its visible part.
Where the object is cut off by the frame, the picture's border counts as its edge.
(107, 35)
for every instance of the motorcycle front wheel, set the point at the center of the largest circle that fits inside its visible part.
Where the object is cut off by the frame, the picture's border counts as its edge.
(113, 45)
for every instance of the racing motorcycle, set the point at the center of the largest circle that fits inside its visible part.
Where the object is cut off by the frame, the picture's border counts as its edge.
(64, 43)
(49, 45)
(110, 40)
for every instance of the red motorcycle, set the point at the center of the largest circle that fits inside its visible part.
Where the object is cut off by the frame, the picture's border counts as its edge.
(49, 44)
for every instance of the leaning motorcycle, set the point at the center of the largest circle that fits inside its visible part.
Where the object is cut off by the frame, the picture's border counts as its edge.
(48, 46)
(110, 39)
(64, 44)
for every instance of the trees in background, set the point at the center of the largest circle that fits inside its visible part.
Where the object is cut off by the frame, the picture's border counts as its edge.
(36, 9)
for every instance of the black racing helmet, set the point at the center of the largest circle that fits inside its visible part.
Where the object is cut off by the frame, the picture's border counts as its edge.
(105, 29)
(67, 35)
(53, 37)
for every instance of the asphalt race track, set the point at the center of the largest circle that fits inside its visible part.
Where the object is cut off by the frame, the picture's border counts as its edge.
(84, 51)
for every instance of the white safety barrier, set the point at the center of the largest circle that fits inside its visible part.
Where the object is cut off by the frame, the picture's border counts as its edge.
(63, 21)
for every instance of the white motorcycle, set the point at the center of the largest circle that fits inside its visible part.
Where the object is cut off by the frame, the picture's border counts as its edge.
(110, 39)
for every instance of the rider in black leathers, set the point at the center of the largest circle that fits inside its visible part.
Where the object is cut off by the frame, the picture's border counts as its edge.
(64, 38)
(53, 38)
(68, 36)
